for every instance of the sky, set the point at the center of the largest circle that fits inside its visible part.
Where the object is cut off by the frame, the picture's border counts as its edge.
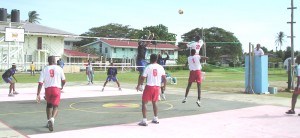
(251, 21)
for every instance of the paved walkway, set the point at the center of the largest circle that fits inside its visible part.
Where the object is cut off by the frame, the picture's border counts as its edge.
(257, 115)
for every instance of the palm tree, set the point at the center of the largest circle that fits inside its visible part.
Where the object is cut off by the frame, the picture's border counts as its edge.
(279, 39)
(33, 17)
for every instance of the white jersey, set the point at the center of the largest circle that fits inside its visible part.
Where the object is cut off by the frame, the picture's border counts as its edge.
(195, 45)
(154, 72)
(194, 62)
(258, 52)
(52, 76)
(297, 70)
(90, 67)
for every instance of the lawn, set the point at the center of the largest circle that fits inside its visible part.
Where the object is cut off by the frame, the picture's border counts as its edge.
(220, 79)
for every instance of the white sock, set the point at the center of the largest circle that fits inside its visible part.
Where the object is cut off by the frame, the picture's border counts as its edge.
(155, 118)
(144, 120)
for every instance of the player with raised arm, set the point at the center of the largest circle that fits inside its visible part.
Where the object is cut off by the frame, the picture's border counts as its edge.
(195, 75)
(141, 60)
(197, 44)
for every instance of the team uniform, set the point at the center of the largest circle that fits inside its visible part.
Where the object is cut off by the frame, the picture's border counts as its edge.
(52, 76)
(297, 69)
(195, 45)
(141, 57)
(195, 68)
(153, 73)
(111, 74)
(7, 75)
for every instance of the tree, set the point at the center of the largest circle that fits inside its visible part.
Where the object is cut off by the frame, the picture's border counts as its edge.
(218, 42)
(113, 30)
(33, 17)
(279, 39)
(161, 33)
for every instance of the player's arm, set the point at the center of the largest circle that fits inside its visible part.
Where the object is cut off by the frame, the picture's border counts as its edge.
(41, 80)
(164, 82)
(14, 78)
(63, 80)
(203, 58)
(141, 81)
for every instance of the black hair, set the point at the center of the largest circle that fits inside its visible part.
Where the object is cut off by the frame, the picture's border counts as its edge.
(153, 58)
(193, 51)
(51, 60)
(197, 38)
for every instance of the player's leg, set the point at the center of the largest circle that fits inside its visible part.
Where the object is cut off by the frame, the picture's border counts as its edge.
(145, 98)
(187, 92)
(105, 83)
(54, 100)
(155, 92)
(199, 94)
(118, 83)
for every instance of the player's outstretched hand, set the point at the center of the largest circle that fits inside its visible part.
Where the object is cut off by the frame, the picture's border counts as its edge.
(38, 99)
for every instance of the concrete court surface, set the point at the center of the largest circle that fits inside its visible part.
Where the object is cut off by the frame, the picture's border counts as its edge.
(87, 112)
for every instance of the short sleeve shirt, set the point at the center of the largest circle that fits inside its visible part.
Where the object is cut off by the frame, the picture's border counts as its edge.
(258, 52)
(52, 76)
(195, 45)
(194, 62)
(153, 73)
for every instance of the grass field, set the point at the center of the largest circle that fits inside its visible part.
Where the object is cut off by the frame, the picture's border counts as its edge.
(220, 79)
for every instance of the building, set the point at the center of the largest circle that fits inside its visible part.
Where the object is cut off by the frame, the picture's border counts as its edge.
(39, 43)
(121, 51)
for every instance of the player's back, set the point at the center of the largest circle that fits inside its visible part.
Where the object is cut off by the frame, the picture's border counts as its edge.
(52, 76)
(154, 72)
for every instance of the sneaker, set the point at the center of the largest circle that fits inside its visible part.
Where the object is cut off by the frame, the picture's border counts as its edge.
(155, 121)
(11, 95)
(102, 89)
(92, 83)
(120, 89)
(184, 100)
(290, 112)
(89, 83)
(15, 92)
(143, 123)
(163, 96)
(198, 103)
(51, 124)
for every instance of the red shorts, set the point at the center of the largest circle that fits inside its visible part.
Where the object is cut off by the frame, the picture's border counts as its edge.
(297, 91)
(53, 95)
(195, 76)
(151, 93)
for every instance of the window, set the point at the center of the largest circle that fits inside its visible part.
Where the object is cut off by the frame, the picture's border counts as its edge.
(39, 43)
(123, 49)
(171, 52)
(100, 47)
(131, 49)
(28, 58)
(106, 51)
(67, 43)
(115, 50)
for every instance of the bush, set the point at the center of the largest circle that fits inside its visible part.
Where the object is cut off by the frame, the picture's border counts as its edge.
(207, 69)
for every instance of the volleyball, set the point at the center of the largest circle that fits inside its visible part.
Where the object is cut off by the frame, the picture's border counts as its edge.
(180, 11)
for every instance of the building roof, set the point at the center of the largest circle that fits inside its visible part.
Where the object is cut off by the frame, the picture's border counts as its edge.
(134, 44)
(34, 28)
(74, 53)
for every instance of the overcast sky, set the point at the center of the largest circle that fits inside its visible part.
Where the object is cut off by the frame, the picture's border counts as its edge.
(256, 21)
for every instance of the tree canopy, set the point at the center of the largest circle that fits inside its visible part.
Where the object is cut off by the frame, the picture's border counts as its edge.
(33, 17)
(218, 42)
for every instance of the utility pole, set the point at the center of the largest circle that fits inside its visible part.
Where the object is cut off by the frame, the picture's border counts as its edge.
(292, 40)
